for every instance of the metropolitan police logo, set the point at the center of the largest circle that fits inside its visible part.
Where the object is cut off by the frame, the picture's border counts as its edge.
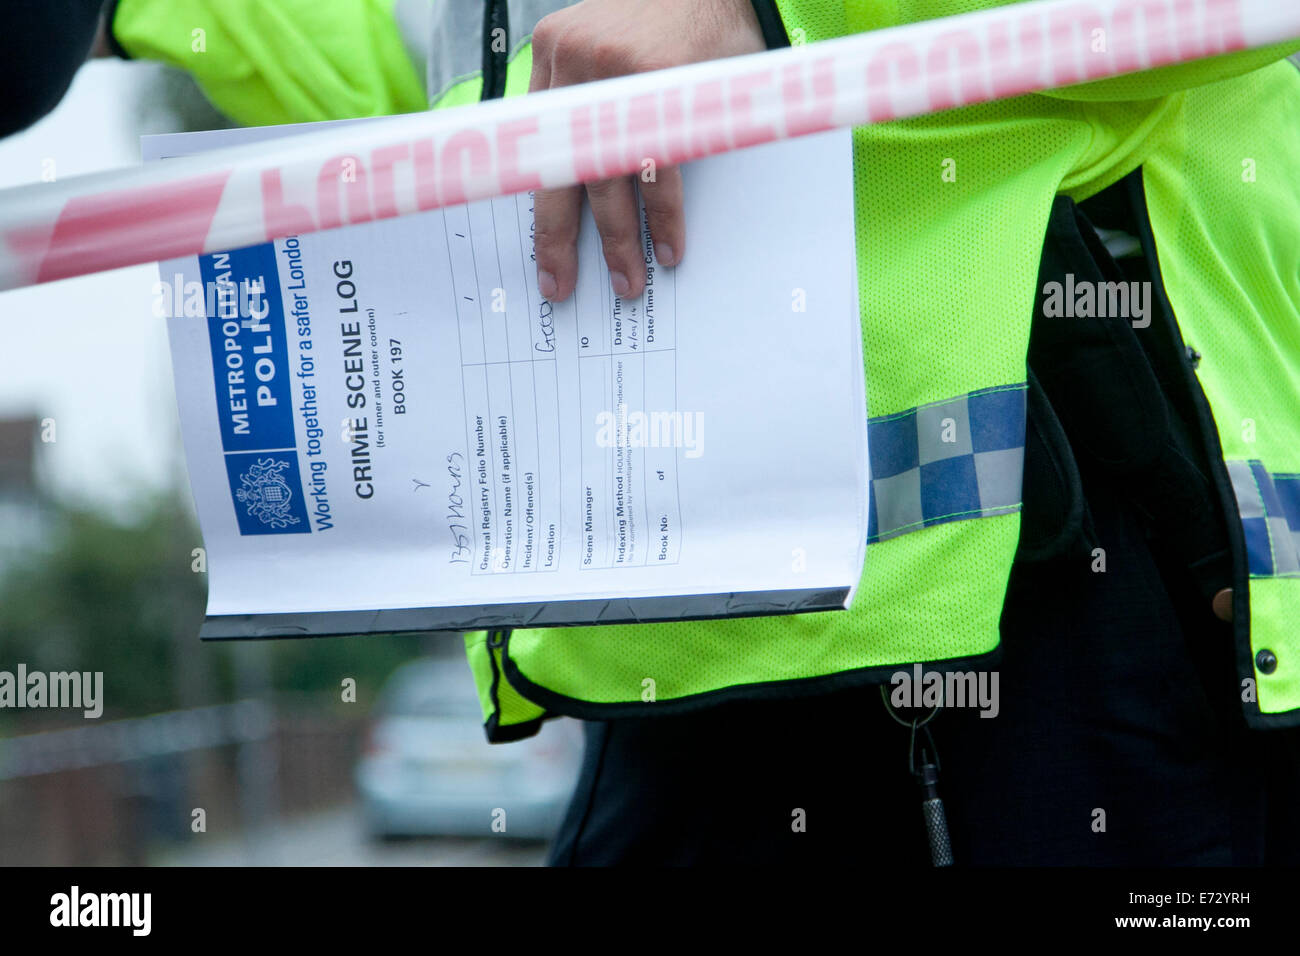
(266, 493)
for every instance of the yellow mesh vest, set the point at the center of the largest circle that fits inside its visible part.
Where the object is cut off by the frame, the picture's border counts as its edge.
(266, 62)
(1223, 195)
(950, 212)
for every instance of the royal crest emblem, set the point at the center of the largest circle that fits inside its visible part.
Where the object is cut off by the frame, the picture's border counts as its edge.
(266, 493)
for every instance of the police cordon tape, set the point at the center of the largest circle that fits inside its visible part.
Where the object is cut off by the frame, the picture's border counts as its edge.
(395, 166)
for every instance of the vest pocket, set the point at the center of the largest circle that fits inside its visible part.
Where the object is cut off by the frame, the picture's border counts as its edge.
(1054, 518)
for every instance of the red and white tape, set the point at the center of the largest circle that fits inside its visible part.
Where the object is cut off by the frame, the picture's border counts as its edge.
(249, 194)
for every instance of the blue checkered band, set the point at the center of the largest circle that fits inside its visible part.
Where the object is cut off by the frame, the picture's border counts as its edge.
(1269, 505)
(947, 461)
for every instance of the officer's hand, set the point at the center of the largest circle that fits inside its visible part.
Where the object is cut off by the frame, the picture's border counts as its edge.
(597, 39)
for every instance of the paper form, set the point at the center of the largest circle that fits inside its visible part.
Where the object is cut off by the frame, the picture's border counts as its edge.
(388, 428)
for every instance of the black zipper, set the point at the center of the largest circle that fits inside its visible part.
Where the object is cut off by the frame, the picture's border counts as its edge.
(496, 17)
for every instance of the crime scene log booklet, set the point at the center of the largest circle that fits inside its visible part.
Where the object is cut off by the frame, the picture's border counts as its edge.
(388, 428)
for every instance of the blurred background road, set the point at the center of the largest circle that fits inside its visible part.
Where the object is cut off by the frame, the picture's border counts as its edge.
(285, 779)
(339, 838)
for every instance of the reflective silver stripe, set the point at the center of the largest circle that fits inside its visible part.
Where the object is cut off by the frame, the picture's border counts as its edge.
(456, 41)
(951, 460)
(415, 22)
(1263, 503)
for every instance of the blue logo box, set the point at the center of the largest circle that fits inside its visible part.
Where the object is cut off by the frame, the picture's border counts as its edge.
(267, 492)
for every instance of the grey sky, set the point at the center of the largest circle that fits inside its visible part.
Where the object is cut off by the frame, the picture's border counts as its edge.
(87, 352)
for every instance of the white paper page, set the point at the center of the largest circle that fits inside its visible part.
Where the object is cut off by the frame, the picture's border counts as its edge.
(431, 434)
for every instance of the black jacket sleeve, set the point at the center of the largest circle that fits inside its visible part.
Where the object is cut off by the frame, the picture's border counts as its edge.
(42, 45)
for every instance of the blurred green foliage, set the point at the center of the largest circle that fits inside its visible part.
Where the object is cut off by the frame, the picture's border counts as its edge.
(122, 597)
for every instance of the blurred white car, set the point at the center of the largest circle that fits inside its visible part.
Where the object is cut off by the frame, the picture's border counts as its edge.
(428, 769)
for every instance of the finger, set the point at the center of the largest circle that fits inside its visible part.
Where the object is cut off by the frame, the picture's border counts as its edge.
(663, 212)
(555, 240)
(543, 46)
(618, 220)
